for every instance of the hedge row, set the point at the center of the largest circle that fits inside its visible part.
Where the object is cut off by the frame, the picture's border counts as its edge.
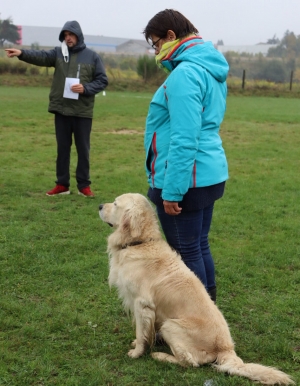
(15, 66)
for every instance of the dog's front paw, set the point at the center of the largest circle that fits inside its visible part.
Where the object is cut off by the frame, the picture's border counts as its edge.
(133, 343)
(135, 353)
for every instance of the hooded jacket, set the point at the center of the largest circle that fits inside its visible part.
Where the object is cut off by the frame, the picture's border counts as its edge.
(83, 63)
(182, 142)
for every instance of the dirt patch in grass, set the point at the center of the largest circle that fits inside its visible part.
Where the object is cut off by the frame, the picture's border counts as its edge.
(124, 131)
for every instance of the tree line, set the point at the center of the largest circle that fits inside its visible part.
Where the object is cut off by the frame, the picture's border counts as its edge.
(281, 60)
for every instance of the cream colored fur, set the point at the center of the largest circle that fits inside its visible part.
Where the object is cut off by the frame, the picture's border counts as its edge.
(164, 295)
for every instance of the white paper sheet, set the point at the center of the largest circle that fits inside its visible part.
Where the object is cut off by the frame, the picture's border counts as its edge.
(68, 93)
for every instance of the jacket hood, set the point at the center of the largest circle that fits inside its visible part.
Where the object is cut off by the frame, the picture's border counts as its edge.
(74, 27)
(204, 54)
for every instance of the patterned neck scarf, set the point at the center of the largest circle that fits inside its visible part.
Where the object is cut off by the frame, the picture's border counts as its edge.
(167, 48)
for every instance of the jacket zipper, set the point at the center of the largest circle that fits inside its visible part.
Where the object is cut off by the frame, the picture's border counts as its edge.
(194, 175)
(154, 159)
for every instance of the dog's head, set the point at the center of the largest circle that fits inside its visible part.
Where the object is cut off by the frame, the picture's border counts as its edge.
(131, 215)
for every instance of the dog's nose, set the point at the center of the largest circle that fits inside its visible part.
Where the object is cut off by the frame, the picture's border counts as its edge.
(101, 206)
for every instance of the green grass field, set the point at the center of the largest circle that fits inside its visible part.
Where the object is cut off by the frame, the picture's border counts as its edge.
(60, 324)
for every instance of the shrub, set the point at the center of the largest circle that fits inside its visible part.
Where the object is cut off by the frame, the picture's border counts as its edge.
(128, 63)
(148, 69)
(35, 46)
(109, 60)
(4, 66)
(34, 70)
(18, 68)
(273, 71)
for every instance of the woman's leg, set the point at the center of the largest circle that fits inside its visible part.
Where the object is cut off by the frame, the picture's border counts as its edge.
(205, 249)
(183, 233)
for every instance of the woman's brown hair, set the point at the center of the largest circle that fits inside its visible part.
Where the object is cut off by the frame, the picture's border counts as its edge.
(169, 19)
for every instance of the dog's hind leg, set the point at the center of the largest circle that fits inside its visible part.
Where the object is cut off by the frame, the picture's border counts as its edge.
(186, 359)
(164, 357)
(186, 348)
(144, 318)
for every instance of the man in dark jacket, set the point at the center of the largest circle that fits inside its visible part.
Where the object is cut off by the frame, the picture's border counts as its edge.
(79, 75)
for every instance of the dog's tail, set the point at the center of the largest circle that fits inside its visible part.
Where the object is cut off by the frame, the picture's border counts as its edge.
(229, 362)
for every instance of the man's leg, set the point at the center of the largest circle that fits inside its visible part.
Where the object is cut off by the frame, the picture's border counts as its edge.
(82, 132)
(63, 131)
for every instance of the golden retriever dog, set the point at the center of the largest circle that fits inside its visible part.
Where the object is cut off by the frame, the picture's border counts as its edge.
(164, 296)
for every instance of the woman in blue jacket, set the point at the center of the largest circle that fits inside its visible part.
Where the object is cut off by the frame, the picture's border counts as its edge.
(185, 161)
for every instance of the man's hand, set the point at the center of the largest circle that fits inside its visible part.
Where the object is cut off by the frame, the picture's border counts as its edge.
(78, 88)
(11, 52)
(172, 208)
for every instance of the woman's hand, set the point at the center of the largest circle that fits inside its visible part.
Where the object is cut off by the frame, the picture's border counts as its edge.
(172, 208)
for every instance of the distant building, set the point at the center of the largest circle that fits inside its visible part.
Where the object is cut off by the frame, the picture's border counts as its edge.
(256, 49)
(47, 37)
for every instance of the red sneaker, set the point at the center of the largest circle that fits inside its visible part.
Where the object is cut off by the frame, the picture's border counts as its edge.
(86, 192)
(59, 189)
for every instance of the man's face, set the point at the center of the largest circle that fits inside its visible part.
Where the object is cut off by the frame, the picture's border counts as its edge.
(70, 39)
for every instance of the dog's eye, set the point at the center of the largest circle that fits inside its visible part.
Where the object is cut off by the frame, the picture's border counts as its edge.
(115, 204)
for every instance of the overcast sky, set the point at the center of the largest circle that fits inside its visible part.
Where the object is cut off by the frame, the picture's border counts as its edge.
(236, 22)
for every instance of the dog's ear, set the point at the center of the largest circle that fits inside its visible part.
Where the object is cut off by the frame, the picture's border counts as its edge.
(131, 223)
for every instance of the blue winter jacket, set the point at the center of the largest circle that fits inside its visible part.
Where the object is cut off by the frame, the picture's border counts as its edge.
(182, 142)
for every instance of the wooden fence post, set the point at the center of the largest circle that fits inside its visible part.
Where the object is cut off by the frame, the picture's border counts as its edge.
(291, 80)
(243, 81)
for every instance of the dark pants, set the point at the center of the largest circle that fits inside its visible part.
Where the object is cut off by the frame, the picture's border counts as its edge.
(65, 127)
(187, 233)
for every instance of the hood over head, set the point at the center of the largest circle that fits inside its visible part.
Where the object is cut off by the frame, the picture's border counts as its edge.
(195, 50)
(74, 27)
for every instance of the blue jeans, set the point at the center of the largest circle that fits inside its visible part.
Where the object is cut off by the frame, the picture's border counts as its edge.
(187, 233)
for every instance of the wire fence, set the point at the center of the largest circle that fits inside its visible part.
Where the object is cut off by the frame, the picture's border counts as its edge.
(291, 80)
